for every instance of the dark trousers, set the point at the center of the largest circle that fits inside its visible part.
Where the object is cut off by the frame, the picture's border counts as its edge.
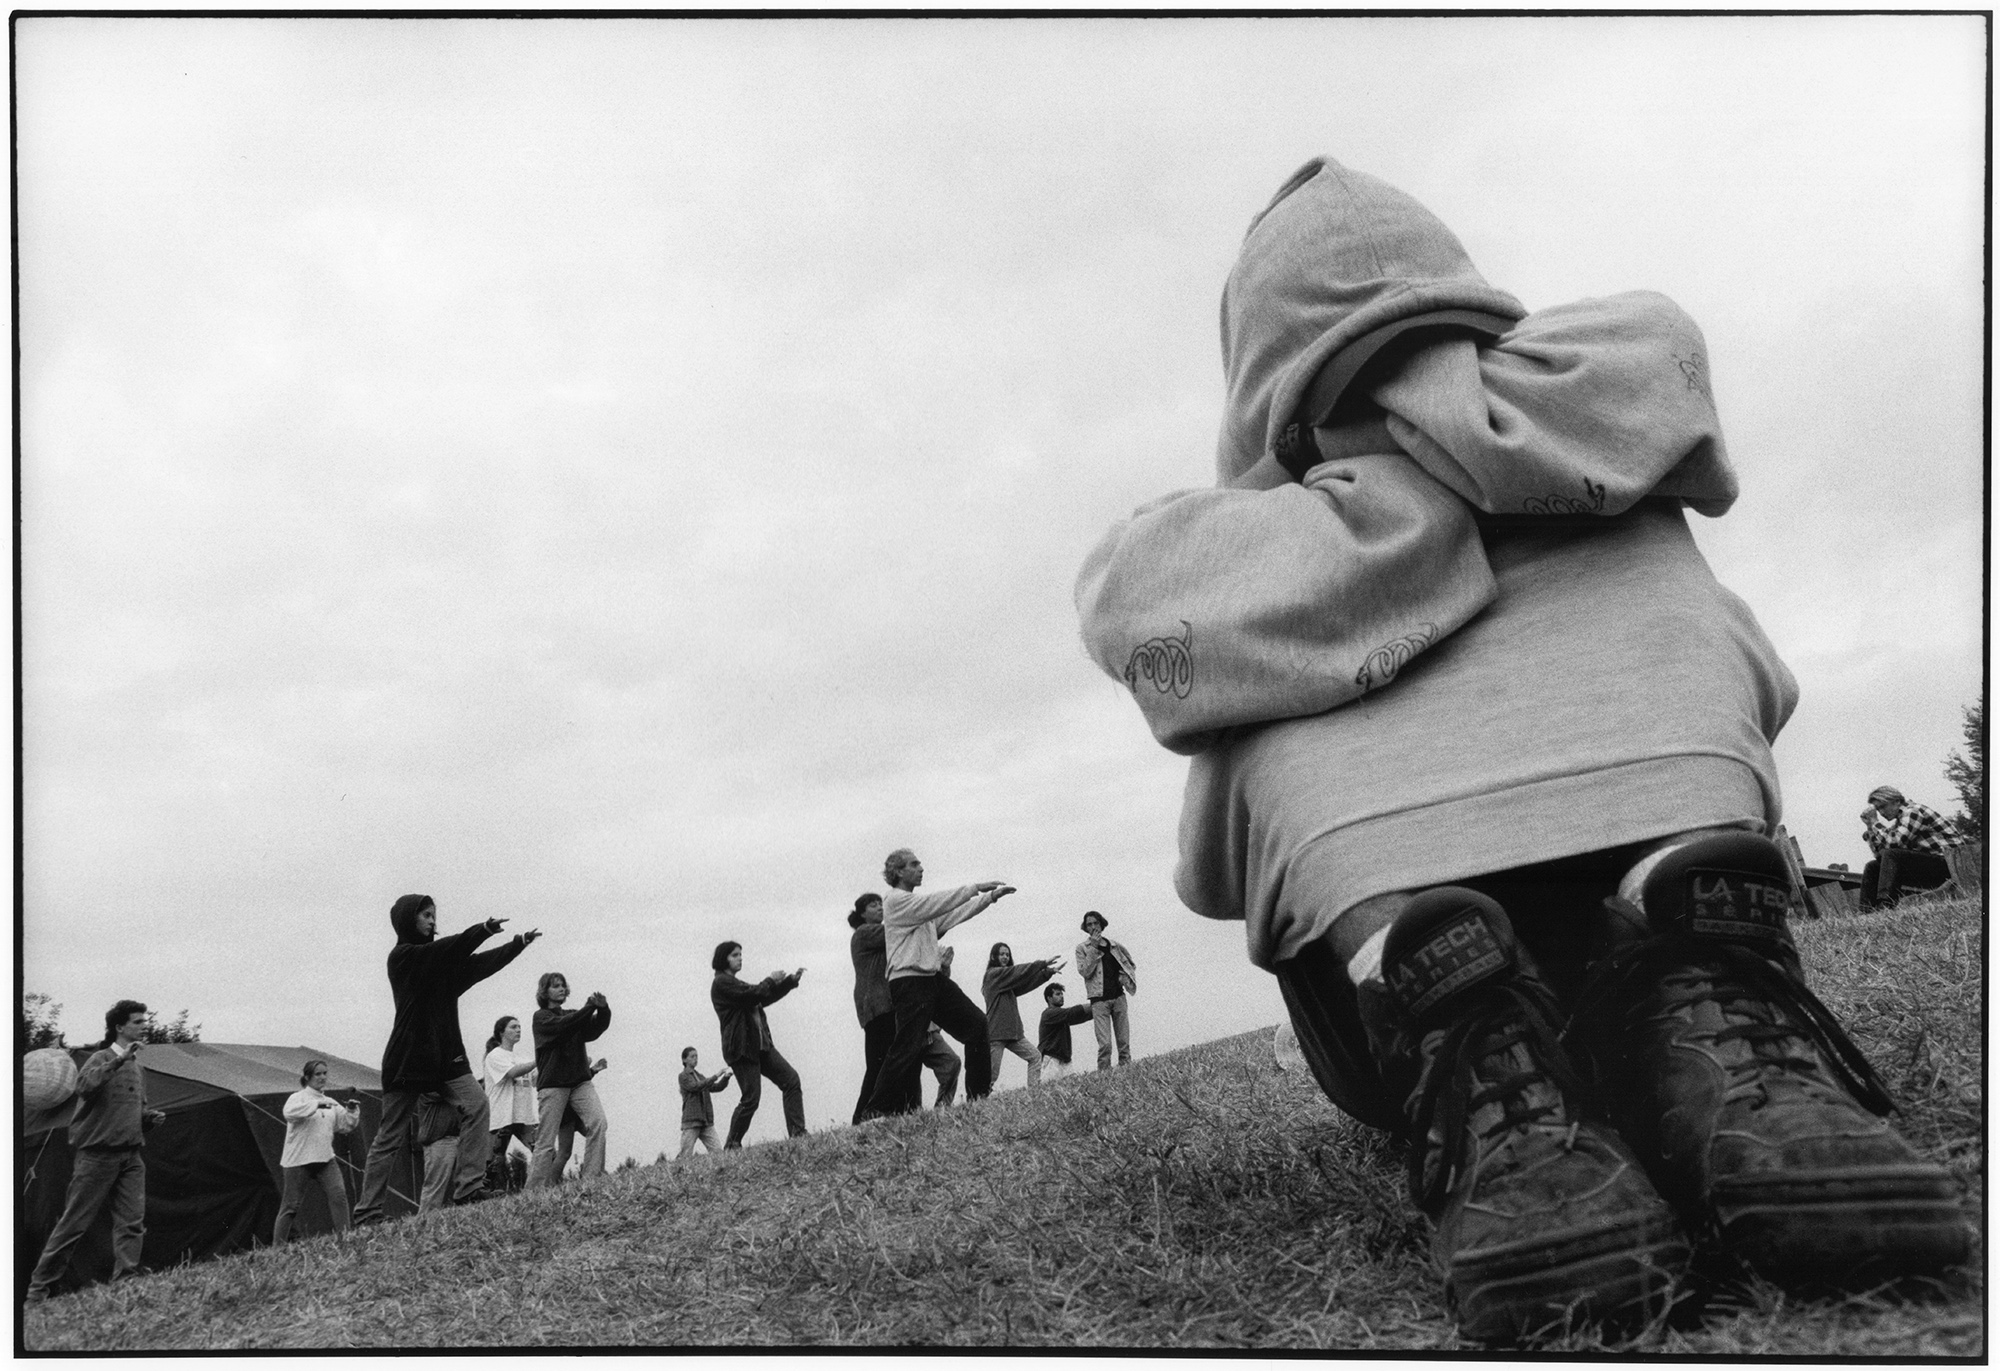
(920, 1002)
(876, 1037)
(1553, 907)
(398, 1129)
(299, 1179)
(1899, 870)
(750, 1080)
(98, 1174)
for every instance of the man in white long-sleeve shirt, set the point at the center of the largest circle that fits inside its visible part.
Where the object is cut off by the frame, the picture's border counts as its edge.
(918, 987)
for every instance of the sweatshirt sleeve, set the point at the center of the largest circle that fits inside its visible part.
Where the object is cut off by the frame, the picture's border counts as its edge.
(597, 1018)
(1230, 607)
(1586, 408)
(302, 1105)
(774, 988)
(483, 964)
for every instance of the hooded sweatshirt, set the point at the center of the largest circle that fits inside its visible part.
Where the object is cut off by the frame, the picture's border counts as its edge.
(427, 974)
(1477, 634)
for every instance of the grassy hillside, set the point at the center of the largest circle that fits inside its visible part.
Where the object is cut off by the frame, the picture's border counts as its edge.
(1198, 1199)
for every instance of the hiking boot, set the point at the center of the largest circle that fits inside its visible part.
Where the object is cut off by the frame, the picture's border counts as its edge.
(1543, 1217)
(1755, 1113)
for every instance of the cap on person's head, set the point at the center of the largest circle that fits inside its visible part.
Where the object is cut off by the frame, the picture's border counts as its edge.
(1885, 792)
(1093, 914)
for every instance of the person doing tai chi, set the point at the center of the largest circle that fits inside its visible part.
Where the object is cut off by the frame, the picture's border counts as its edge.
(426, 1051)
(922, 992)
(1479, 749)
(746, 1041)
(1002, 988)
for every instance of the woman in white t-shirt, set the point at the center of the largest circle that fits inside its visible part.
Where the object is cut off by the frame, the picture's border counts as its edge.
(312, 1118)
(512, 1111)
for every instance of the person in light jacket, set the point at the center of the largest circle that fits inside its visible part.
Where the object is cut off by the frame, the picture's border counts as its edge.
(312, 1120)
(513, 1111)
(746, 1041)
(1003, 984)
(1109, 975)
(923, 994)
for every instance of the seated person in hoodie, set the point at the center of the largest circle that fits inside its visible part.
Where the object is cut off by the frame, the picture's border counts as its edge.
(427, 974)
(1001, 988)
(564, 1081)
(1479, 749)
(1055, 1031)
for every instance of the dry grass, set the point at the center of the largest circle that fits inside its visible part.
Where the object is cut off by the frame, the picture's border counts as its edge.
(1201, 1199)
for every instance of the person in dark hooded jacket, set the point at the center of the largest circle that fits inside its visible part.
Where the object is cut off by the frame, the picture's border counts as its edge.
(426, 1052)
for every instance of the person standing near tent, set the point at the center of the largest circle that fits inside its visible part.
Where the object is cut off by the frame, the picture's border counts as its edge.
(1001, 988)
(1109, 975)
(563, 1073)
(312, 1119)
(923, 993)
(512, 1111)
(426, 1051)
(108, 1132)
(746, 1041)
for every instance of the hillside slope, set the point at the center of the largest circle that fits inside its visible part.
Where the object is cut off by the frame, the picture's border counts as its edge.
(1198, 1199)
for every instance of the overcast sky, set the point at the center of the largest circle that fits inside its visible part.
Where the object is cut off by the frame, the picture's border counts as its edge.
(625, 477)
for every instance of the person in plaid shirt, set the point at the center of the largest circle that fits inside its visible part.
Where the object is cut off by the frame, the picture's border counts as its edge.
(1911, 836)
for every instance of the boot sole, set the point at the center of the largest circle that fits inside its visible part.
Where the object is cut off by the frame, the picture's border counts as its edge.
(1858, 1225)
(1620, 1276)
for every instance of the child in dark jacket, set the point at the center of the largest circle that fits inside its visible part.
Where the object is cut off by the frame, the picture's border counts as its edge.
(1055, 1032)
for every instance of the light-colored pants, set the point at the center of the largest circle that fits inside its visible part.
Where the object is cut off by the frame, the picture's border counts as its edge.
(944, 1064)
(98, 1174)
(1021, 1048)
(545, 1170)
(1108, 1017)
(704, 1134)
(398, 1127)
(440, 1162)
(299, 1179)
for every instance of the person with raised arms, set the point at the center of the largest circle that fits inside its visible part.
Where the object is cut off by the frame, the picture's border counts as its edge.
(923, 994)
(746, 1041)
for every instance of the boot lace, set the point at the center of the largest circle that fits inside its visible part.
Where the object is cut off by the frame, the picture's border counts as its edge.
(1780, 1015)
(1494, 1019)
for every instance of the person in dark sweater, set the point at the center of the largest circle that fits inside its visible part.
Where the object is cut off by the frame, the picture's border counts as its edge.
(1055, 1032)
(868, 946)
(427, 974)
(563, 1072)
(1003, 983)
(746, 1041)
(108, 1132)
(697, 1109)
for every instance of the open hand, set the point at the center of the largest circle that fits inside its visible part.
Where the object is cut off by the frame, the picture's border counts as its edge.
(1055, 965)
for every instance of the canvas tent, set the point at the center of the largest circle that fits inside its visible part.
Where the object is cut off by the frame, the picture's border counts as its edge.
(212, 1172)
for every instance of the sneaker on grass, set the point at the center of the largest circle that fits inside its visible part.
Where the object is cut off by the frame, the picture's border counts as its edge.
(1755, 1113)
(1544, 1218)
